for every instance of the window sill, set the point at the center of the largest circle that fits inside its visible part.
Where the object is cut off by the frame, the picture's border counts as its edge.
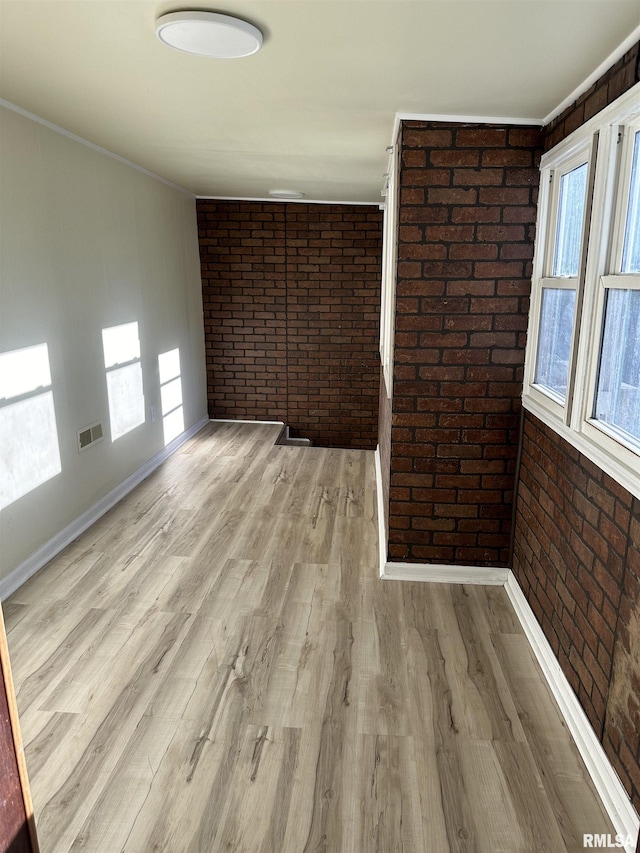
(623, 470)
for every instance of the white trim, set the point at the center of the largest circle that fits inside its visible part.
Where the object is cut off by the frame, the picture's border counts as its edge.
(604, 66)
(284, 429)
(57, 543)
(434, 573)
(262, 199)
(606, 781)
(610, 790)
(623, 110)
(604, 194)
(620, 281)
(382, 528)
(573, 421)
(603, 274)
(389, 269)
(556, 164)
(397, 121)
(57, 129)
(238, 421)
(609, 464)
(429, 573)
(627, 137)
(462, 119)
(559, 283)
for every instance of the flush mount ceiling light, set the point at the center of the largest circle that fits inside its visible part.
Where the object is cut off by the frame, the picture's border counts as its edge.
(285, 194)
(208, 34)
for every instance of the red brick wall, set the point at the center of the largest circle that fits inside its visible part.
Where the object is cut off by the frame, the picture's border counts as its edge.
(465, 244)
(577, 541)
(622, 720)
(292, 312)
(576, 557)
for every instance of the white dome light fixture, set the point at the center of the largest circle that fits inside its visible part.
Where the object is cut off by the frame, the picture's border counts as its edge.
(209, 34)
(285, 194)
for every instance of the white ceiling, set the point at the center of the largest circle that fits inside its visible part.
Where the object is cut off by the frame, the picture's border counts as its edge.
(314, 109)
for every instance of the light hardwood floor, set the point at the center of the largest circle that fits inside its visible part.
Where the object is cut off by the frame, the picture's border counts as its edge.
(215, 666)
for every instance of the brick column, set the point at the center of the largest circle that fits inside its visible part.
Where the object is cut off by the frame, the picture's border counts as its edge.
(467, 217)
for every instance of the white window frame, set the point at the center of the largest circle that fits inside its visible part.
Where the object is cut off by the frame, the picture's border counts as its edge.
(610, 134)
(389, 270)
(623, 136)
(566, 158)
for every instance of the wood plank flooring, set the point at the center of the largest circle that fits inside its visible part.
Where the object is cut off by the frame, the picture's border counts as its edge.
(215, 666)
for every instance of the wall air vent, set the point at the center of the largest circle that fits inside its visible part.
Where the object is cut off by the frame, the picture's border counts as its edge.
(89, 435)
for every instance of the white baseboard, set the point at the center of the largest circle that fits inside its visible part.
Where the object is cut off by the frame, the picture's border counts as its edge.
(57, 543)
(609, 787)
(239, 421)
(430, 573)
(437, 573)
(285, 429)
(382, 528)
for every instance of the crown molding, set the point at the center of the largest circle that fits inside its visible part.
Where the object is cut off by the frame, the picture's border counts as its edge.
(287, 200)
(61, 130)
(604, 66)
(461, 119)
(595, 75)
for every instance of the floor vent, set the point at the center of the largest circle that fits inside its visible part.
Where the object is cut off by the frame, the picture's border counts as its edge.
(89, 435)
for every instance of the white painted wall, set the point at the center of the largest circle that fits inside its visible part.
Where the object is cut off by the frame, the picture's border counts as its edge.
(88, 242)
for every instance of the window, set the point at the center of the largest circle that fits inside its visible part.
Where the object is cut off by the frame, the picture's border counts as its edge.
(28, 432)
(121, 346)
(618, 390)
(561, 272)
(554, 342)
(582, 373)
(631, 241)
(616, 404)
(171, 394)
(570, 221)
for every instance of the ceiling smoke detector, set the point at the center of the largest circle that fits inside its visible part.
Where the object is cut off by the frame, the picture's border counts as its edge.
(209, 34)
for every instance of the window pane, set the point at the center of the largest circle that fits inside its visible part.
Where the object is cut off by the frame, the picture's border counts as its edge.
(618, 397)
(631, 247)
(554, 343)
(573, 190)
(29, 441)
(126, 399)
